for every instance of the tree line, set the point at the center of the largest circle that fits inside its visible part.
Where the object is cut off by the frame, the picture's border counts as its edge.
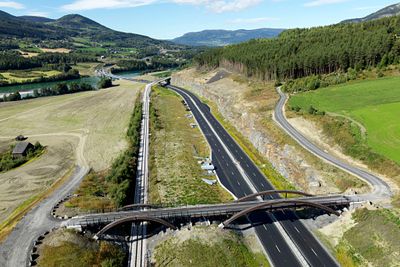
(59, 89)
(64, 76)
(156, 64)
(12, 60)
(303, 52)
(122, 176)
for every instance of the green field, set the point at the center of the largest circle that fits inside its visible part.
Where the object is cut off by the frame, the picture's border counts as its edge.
(373, 103)
(380, 247)
(207, 247)
(24, 76)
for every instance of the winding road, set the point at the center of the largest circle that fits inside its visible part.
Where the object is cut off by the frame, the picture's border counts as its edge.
(380, 189)
(15, 249)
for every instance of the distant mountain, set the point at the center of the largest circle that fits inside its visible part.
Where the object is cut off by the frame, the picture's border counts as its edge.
(224, 37)
(78, 22)
(36, 19)
(71, 26)
(389, 11)
(22, 27)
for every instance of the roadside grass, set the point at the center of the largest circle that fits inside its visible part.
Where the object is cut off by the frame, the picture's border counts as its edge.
(175, 149)
(374, 238)
(92, 194)
(68, 248)
(373, 103)
(207, 250)
(276, 179)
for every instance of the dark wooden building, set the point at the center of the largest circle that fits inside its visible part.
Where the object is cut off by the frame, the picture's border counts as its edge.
(21, 149)
(20, 138)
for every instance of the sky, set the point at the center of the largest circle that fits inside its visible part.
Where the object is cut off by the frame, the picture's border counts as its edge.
(167, 19)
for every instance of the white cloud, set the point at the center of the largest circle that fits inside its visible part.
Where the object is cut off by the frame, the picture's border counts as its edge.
(38, 14)
(252, 20)
(217, 6)
(98, 4)
(11, 4)
(323, 2)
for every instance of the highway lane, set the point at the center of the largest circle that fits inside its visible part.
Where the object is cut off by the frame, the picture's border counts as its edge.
(313, 251)
(277, 248)
(381, 190)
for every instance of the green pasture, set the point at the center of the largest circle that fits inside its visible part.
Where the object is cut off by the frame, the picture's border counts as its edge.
(373, 103)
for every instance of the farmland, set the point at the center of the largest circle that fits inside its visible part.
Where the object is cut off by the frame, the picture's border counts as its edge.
(373, 103)
(25, 76)
(84, 129)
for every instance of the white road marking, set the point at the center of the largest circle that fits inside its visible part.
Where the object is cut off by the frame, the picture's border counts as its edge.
(278, 248)
(297, 229)
(314, 252)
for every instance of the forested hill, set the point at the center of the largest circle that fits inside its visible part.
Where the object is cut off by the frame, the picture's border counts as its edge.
(389, 11)
(302, 52)
(21, 27)
(224, 37)
(70, 26)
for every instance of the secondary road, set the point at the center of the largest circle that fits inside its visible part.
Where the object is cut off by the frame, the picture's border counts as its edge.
(381, 190)
(284, 237)
(15, 249)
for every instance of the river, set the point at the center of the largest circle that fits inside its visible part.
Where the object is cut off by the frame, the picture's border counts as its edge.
(27, 89)
(129, 74)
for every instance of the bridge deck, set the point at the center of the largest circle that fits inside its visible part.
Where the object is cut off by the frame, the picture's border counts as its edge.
(202, 210)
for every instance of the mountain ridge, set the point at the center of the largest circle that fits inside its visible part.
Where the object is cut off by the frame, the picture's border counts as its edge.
(67, 27)
(389, 11)
(225, 37)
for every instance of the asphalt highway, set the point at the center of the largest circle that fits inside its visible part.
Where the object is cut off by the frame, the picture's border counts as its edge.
(286, 240)
(381, 190)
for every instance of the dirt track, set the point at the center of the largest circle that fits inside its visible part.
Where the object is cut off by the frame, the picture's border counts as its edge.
(59, 123)
(81, 131)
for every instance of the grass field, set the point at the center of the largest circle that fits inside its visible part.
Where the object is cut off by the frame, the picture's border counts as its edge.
(84, 128)
(373, 103)
(380, 248)
(68, 248)
(175, 174)
(86, 68)
(23, 76)
(207, 247)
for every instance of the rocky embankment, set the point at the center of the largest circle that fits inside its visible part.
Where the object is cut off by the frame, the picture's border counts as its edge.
(249, 107)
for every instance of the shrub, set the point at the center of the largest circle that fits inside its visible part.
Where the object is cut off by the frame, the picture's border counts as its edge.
(105, 83)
